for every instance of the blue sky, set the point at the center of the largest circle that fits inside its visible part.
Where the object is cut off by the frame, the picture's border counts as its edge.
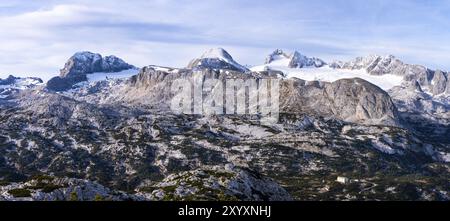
(37, 37)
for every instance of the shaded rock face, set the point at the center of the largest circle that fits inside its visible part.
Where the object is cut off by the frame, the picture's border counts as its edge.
(358, 100)
(216, 58)
(448, 84)
(439, 82)
(353, 100)
(62, 84)
(83, 63)
(415, 86)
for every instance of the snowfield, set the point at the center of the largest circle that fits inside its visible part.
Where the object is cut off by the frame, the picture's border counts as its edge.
(328, 74)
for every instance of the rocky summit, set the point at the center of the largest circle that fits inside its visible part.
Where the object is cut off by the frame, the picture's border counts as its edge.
(294, 60)
(83, 63)
(349, 137)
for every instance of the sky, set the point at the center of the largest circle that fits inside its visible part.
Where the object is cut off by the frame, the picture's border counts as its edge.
(37, 37)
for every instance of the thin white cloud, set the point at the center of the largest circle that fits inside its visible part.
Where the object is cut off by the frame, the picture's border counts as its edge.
(38, 37)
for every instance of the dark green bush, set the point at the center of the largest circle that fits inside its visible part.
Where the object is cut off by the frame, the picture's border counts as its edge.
(41, 178)
(20, 192)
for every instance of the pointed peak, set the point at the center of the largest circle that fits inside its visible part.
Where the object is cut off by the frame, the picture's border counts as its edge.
(297, 53)
(217, 58)
(217, 53)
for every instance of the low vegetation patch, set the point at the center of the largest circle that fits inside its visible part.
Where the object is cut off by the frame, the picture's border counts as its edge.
(20, 192)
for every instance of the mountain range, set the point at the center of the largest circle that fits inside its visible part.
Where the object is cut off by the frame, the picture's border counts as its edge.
(103, 130)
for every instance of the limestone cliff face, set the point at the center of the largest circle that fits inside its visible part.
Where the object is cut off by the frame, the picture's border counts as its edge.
(353, 100)
(357, 100)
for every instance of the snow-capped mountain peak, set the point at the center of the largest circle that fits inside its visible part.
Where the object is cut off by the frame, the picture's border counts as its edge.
(217, 58)
(219, 53)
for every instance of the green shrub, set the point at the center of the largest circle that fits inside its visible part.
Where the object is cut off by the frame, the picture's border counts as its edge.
(50, 188)
(41, 178)
(148, 189)
(98, 197)
(45, 187)
(4, 183)
(73, 196)
(20, 192)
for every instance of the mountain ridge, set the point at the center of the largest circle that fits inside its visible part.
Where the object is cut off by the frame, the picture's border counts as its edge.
(294, 60)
